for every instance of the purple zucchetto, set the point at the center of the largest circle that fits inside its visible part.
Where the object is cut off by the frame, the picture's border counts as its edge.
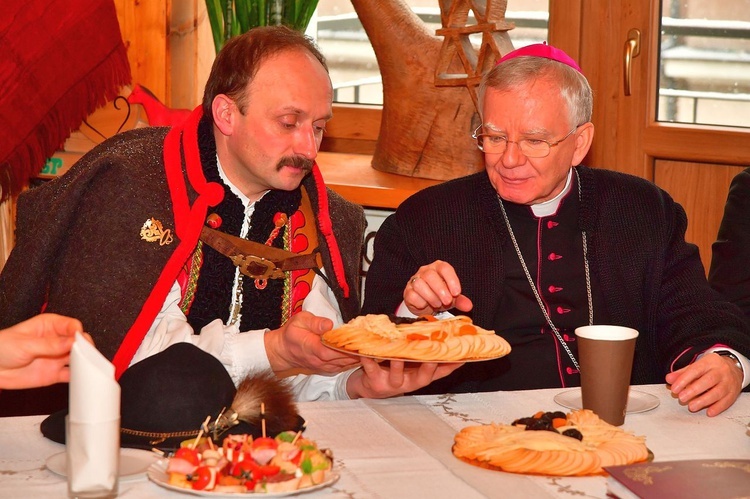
(542, 50)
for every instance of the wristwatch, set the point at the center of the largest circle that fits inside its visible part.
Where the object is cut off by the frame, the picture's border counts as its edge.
(727, 353)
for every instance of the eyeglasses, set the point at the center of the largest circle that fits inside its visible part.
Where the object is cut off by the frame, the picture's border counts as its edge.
(531, 148)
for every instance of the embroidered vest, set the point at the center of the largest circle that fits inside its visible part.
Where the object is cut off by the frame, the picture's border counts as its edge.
(282, 219)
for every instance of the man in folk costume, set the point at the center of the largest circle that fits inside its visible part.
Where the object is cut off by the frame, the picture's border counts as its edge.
(537, 245)
(220, 226)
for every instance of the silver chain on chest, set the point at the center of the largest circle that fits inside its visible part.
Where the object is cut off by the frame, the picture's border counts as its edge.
(533, 286)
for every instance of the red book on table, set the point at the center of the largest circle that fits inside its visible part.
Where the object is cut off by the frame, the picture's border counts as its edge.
(697, 478)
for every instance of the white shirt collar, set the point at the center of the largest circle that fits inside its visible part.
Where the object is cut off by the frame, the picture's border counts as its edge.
(235, 190)
(550, 207)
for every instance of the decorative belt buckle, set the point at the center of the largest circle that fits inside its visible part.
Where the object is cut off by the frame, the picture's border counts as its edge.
(257, 267)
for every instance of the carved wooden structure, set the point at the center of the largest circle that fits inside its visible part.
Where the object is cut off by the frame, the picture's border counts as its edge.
(429, 83)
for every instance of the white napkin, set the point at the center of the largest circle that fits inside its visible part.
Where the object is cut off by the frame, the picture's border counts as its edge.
(93, 436)
(94, 394)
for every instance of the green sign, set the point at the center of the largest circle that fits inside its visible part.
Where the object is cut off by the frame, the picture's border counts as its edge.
(52, 166)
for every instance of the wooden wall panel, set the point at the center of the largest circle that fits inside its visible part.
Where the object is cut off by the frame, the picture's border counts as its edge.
(7, 229)
(191, 52)
(144, 31)
(565, 20)
(701, 188)
(353, 129)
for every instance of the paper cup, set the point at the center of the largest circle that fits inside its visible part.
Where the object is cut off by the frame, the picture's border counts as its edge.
(605, 356)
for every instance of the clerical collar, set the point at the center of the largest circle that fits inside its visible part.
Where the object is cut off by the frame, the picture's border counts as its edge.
(549, 207)
(235, 190)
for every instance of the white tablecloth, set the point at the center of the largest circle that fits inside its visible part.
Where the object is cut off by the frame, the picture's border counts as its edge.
(402, 447)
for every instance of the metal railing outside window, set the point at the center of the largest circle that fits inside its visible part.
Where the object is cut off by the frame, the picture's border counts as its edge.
(704, 72)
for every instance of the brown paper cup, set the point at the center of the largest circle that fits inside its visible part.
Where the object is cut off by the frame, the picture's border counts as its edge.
(605, 356)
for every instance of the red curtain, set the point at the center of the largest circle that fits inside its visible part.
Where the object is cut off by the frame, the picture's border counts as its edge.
(59, 61)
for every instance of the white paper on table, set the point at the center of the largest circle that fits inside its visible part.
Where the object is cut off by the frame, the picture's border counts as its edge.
(93, 423)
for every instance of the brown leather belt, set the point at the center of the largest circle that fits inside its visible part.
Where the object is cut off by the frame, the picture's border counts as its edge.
(256, 260)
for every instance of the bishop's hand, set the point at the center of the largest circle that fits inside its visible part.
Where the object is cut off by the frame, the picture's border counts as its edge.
(435, 288)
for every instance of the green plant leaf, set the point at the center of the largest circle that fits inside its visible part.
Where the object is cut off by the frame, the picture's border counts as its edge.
(216, 19)
(243, 10)
(229, 18)
(228, 22)
(261, 7)
(306, 11)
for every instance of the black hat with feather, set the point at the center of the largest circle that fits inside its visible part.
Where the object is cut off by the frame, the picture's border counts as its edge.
(167, 398)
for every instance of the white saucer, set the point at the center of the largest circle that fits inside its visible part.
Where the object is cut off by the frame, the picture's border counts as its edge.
(133, 463)
(637, 401)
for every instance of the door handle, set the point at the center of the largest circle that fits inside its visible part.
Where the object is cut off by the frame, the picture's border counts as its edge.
(632, 49)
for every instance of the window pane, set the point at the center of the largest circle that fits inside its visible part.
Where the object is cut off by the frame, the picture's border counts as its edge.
(704, 67)
(351, 60)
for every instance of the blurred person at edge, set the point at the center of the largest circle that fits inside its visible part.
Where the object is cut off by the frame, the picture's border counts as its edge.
(36, 352)
(729, 273)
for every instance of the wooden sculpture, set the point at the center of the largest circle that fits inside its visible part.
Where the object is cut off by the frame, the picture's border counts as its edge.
(430, 83)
